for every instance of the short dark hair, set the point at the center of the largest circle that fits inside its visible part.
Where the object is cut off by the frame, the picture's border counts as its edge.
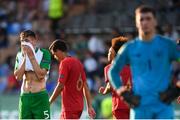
(58, 45)
(117, 42)
(145, 9)
(27, 33)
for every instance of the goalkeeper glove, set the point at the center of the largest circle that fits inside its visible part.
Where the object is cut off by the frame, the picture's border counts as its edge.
(131, 99)
(170, 94)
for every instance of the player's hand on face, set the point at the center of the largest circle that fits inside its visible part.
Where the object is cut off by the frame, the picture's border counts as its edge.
(24, 49)
(29, 52)
(121, 90)
(101, 90)
(91, 112)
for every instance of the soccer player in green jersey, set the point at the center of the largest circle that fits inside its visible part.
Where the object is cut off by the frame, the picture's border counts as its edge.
(31, 66)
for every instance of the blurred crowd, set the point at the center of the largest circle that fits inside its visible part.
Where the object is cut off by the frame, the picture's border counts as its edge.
(49, 19)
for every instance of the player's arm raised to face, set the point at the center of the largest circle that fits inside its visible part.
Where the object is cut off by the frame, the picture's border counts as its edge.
(40, 70)
(59, 87)
(19, 69)
(119, 62)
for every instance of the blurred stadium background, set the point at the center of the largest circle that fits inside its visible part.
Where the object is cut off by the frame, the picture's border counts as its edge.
(88, 26)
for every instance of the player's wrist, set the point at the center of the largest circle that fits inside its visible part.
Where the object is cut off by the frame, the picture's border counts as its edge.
(101, 90)
(32, 58)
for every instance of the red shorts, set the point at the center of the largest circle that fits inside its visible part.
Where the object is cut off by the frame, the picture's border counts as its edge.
(71, 114)
(121, 114)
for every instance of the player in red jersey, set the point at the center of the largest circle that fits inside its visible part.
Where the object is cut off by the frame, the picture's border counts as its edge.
(71, 83)
(120, 109)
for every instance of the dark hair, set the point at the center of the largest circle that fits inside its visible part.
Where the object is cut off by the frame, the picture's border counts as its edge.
(117, 42)
(27, 33)
(145, 9)
(58, 45)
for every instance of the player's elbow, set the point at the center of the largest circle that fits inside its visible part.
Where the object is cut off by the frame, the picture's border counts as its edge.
(40, 77)
(41, 74)
(111, 73)
(60, 87)
(17, 76)
(113, 76)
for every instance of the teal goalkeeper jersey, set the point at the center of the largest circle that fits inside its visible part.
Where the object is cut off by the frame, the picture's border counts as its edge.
(150, 63)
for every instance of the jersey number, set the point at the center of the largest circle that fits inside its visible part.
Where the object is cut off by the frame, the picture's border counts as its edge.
(46, 114)
(79, 84)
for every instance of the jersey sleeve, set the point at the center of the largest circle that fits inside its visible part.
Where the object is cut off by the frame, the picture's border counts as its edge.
(17, 61)
(63, 72)
(46, 60)
(120, 61)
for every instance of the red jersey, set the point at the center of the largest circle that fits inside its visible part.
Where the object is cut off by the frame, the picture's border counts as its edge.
(125, 74)
(72, 75)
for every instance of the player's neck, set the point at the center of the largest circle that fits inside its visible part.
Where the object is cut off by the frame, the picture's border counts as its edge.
(65, 55)
(62, 56)
(146, 36)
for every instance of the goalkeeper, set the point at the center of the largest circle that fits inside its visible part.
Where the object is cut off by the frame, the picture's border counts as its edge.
(150, 57)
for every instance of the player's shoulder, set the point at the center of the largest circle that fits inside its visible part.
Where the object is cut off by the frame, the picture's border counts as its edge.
(45, 51)
(19, 53)
(70, 59)
(164, 39)
(75, 60)
(131, 42)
